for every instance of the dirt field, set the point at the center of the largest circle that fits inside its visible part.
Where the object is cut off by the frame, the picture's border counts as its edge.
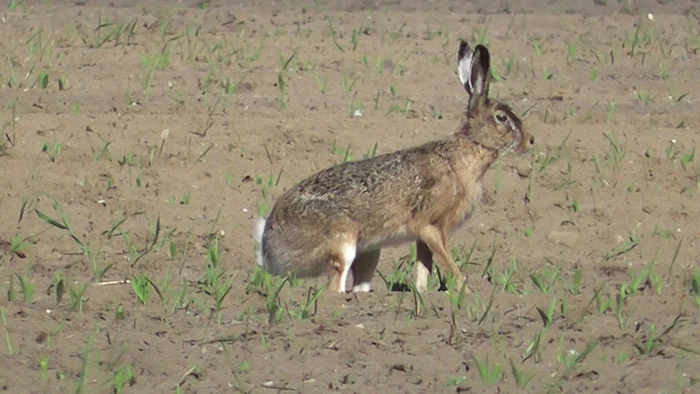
(140, 142)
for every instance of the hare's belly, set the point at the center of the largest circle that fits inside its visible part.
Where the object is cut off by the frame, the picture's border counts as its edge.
(399, 237)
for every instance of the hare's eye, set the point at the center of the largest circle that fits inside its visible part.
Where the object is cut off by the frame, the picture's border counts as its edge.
(501, 117)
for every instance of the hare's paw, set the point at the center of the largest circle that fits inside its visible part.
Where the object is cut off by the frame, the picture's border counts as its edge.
(362, 288)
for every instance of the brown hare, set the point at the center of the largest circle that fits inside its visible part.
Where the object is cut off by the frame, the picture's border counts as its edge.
(339, 219)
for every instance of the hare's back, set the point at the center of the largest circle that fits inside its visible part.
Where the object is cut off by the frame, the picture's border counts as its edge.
(353, 187)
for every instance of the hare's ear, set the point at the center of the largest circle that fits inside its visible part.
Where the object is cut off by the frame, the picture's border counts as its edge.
(479, 77)
(473, 69)
(464, 65)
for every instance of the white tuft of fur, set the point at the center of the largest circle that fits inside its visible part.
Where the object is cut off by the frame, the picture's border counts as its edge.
(257, 239)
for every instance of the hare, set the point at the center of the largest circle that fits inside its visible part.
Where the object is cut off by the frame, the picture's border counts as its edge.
(339, 219)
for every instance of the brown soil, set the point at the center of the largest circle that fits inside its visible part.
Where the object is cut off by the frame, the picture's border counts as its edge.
(167, 68)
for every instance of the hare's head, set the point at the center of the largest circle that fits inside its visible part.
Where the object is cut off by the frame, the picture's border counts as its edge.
(489, 123)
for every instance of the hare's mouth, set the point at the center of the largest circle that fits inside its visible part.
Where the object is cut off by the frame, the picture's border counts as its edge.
(520, 145)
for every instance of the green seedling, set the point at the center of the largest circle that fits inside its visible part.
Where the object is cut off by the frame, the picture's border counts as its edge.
(505, 279)
(656, 281)
(571, 51)
(11, 296)
(26, 284)
(594, 74)
(53, 149)
(103, 152)
(687, 158)
(618, 305)
(489, 374)
(495, 73)
(629, 244)
(343, 152)
(546, 75)
(379, 65)
(638, 280)
(648, 345)
(77, 299)
(552, 156)
(8, 340)
(289, 63)
(283, 87)
(42, 80)
(123, 377)
(180, 298)
(274, 306)
(19, 244)
(398, 33)
(454, 380)
(508, 65)
(611, 112)
(621, 357)
(616, 152)
(663, 71)
(354, 108)
(481, 35)
(576, 282)
(395, 108)
(573, 363)
(355, 37)
(322, 83)
(142, 286)
(372, 152)
(44, 369)
(83, 379)
(645, 96)
(566, 357)
(60, 287)
(348, 84)
(534, 350)
(399, 279)
(333, 34)
(219, 290)
(603, 304)
(309, 306)
(488, 306)
(522, 379)
(537, 47)
(456, 292)
(695, 286)
(62, 82)
(548, 314)
(545, 280)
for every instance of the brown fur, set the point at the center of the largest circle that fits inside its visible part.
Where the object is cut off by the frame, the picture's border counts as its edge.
(419, 194)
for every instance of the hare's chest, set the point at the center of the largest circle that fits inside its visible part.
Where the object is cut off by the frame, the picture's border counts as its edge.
(471, 202)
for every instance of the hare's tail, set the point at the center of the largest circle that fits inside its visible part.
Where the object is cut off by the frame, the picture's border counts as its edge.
(258, 237)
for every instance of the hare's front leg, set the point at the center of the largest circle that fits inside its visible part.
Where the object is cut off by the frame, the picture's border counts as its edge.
(363, 270)
(435, 239)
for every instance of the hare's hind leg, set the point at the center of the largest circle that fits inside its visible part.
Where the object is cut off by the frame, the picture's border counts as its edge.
(424, 267)
(435, 240)
(363, 270)
(340, 262)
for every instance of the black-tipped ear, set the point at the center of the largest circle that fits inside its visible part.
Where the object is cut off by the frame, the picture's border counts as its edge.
(464, 64)
(479, 77)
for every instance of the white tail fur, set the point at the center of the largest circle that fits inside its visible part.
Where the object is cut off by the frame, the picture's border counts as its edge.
(257, 237)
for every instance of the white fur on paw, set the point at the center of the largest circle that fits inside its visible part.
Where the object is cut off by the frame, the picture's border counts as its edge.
(349, 252)
(362, 288)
